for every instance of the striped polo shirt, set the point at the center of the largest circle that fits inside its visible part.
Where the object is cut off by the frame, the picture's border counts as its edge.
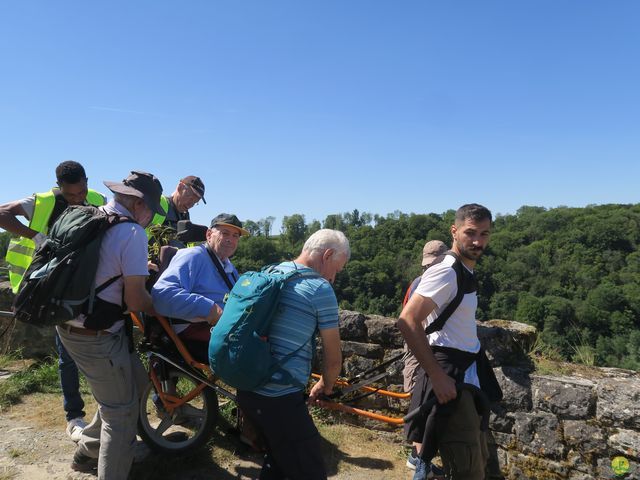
(306, 305)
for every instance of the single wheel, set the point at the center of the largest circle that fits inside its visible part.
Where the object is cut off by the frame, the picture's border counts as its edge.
(188, 428)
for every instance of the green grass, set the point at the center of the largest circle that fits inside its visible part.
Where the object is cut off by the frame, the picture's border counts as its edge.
(10, 359)
(39, 377)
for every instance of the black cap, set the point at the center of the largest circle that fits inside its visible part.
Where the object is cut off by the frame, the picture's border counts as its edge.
(229, 220)
(142, 185)
(197, 185)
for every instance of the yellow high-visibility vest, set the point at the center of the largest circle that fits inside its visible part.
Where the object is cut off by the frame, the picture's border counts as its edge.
(20, 251)
(157, 218)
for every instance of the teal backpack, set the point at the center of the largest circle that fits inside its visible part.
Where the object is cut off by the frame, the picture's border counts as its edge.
(239, 348)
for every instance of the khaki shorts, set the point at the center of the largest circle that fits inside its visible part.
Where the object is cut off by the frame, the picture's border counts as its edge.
(463, 446)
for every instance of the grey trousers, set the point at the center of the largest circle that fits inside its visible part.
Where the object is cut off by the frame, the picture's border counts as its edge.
(117, 378)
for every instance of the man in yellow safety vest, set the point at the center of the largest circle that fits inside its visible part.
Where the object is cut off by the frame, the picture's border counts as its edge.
(42, 210)
(188, 193)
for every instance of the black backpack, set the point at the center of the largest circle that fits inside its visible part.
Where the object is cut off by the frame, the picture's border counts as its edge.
(466, 282)
(60, 283)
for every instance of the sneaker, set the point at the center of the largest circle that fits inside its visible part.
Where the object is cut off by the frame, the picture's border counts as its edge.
(83, 463)
(75, 427)
(424, 472)
(421, 470)
(412, 460)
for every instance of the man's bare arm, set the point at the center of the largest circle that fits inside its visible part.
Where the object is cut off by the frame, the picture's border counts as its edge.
(135, 294)
(410, 324)
(331, 363)
(9, 222)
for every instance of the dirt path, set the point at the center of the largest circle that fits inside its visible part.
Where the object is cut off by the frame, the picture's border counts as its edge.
(34, 446)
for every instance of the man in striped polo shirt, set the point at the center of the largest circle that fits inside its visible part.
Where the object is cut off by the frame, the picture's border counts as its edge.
(307, 305)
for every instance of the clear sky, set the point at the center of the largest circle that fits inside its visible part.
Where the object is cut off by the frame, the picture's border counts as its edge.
(286, 107)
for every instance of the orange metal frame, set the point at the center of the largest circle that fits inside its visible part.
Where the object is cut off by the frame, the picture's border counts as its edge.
(171, 402)
(331, 405)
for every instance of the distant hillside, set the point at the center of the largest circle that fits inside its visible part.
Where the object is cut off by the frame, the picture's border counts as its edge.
(574, 273)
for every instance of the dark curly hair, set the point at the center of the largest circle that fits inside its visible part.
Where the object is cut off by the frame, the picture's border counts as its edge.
(70, 172)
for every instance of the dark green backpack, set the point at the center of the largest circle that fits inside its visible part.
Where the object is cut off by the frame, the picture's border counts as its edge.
(60, 283)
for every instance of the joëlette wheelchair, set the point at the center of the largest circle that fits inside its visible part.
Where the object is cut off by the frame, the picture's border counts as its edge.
(179, 406)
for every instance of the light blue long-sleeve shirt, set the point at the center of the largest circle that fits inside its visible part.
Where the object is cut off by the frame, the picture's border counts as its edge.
(191, 285)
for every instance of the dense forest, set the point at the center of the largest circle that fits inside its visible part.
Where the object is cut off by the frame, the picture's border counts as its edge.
(574, 273)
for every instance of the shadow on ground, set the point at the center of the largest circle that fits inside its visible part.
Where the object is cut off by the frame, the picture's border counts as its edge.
(226, 458)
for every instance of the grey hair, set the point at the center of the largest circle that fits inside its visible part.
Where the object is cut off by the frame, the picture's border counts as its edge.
(325, 239)
(126, 201)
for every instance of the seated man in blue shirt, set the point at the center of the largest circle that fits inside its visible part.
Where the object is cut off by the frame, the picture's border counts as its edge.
(191, 290)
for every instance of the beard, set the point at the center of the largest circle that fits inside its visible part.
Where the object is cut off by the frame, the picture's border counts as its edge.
(471, 253)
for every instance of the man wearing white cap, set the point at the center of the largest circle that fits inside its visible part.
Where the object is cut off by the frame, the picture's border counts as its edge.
(430, 252)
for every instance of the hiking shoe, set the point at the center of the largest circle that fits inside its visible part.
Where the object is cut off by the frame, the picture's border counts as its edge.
(435, 473)
(140, 451)
(83, 463)
(75, 427)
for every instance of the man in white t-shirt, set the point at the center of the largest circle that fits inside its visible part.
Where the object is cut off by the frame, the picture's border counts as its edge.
(447, 356)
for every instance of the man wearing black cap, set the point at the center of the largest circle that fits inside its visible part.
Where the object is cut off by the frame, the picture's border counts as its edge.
(114, 373)
(188, 192)
(192, 288)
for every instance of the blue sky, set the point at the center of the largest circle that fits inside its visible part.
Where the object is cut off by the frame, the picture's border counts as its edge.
(307, 107)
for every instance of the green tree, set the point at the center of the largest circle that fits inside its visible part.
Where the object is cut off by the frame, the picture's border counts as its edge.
(294, 229)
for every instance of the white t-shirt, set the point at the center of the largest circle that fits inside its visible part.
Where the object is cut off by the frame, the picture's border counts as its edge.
(28, 204)
(439, 283)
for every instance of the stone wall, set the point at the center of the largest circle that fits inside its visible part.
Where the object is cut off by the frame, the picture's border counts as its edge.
(31, 341)
(549, 426)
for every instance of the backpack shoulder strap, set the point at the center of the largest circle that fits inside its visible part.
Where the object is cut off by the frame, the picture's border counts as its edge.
(412, 288)
(112, 221)
(59, 206)
(304, 272)
(219, 267)
(439, 322)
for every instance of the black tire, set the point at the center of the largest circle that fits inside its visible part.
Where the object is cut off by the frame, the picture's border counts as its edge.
(191, 425)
